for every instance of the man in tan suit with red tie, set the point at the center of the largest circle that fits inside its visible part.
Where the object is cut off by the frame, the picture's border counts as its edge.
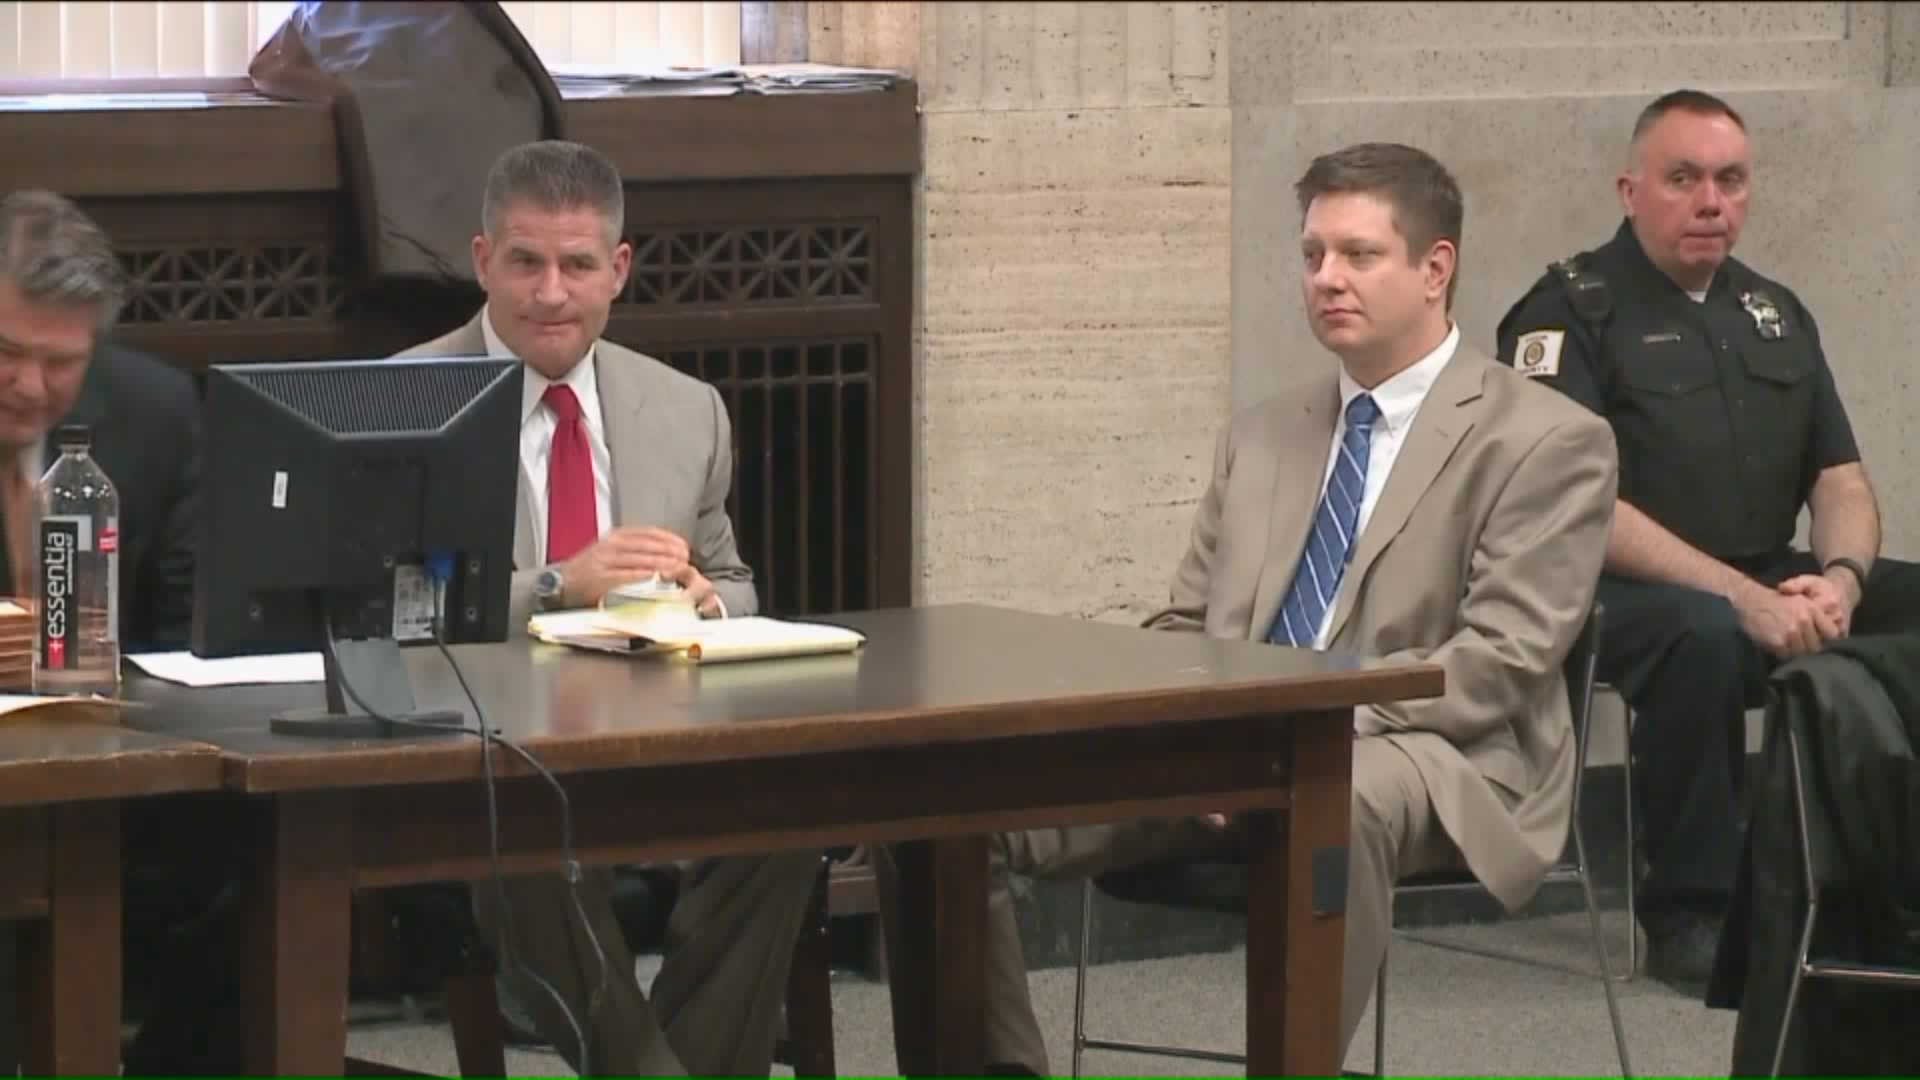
(1421, 503)
(625, 468)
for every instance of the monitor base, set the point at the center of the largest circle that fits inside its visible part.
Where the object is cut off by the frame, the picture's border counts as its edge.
(381, 706)
(323, 724)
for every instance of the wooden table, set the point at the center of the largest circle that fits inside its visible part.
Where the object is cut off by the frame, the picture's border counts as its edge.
(61, 786)
(952, 723)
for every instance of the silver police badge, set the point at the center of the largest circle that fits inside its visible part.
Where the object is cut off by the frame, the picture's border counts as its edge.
(1766, 316)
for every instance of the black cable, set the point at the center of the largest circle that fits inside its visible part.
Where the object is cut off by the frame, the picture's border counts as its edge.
(569, 862)
(488, 736)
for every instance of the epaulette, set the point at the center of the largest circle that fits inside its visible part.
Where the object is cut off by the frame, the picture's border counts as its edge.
(1586, 289)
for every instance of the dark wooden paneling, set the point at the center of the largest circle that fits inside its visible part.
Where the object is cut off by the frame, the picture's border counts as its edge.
(241, 149)
(245, 145)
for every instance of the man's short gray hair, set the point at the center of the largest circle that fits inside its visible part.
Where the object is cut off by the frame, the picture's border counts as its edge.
(55, 254)
(555, 175)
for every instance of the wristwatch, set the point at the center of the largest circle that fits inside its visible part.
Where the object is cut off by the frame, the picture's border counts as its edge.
(548, 587)
(1859, 572)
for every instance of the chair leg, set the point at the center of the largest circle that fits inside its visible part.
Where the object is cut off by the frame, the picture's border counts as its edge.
(1080, 975)
(808, 1047)
(1600, 944)
(1812, 886)
(1633, 855)
(1083, 1042)
(1380, 1018)
(479, 1032)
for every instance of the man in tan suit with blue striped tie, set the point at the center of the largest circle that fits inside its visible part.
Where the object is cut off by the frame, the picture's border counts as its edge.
(1423, 503)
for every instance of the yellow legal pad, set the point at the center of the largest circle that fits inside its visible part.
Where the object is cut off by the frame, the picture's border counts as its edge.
(703, 641)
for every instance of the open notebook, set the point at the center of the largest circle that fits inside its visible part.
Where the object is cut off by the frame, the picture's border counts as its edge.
(707, 641)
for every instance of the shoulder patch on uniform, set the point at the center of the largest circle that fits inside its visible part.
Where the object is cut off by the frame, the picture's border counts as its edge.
(1537, 355)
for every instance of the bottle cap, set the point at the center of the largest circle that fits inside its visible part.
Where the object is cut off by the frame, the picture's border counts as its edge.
(71, 436)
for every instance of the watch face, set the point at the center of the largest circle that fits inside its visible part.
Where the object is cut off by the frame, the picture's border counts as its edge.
(548, 583)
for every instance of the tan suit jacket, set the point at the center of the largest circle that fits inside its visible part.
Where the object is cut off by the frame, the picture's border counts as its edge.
(671, 447)
(1482, 556)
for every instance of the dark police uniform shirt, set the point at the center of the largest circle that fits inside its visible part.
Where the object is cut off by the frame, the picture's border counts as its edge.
(1724, 411)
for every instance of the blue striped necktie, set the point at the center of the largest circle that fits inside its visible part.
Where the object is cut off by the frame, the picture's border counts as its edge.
(1316, 582)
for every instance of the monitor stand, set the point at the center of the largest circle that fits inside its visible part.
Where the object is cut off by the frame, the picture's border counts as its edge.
(379, 676)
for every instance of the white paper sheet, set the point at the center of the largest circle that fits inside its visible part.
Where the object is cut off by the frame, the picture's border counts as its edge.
(189, 670)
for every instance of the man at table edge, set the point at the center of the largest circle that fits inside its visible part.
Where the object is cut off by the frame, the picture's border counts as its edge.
(1423, 504)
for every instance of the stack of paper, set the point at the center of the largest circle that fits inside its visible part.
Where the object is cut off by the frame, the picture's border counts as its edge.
(86, 709)
(822, 78)
(618, 80)
(16, 646)
(710, 641)
(627, 80)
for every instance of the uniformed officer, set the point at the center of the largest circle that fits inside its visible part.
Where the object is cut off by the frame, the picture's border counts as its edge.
(1728, 422)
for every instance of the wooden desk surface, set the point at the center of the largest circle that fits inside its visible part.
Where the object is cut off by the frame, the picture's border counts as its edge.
(43, 762)
(938, 674)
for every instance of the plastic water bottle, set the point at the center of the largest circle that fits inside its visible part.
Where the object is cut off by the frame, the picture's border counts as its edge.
(76, 647)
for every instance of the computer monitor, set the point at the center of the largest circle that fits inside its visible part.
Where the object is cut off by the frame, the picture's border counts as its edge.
(335, 496)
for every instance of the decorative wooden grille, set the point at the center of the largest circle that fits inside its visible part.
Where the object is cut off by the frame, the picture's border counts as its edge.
(802, 506)
(673, 267)
(753, 264)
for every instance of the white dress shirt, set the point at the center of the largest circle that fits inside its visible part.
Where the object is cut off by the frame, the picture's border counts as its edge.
(1399, 400)
(537, 424)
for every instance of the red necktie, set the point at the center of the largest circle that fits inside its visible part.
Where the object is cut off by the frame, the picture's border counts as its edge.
(572, 522)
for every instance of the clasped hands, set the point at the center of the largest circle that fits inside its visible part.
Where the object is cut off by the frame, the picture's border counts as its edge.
(632, 553)
(1801, 614)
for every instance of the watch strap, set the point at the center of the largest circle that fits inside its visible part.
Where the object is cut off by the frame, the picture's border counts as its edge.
(1851, 566)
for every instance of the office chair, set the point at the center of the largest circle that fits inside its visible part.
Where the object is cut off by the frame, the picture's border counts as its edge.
(1807, 966)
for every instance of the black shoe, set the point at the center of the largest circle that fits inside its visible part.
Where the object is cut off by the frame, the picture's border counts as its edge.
(1680, 952)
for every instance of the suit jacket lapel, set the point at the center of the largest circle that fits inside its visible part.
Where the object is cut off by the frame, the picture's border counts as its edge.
(471, 340)
(523, 523)
(1299, 461)
(1443, 420)
(622, 400)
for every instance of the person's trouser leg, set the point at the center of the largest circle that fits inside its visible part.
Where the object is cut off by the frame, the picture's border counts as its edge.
(580, 954)
(729, 950)
(1680, 658)
(1394, 833)
(183, 950)
(1013, 1033)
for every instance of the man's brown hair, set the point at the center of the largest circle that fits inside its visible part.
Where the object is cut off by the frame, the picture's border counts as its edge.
(1698, 102)
(1426, 201)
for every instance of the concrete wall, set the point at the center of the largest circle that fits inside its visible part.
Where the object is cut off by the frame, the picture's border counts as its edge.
(1074, 287)
(1530, 105)
(1108, 235)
